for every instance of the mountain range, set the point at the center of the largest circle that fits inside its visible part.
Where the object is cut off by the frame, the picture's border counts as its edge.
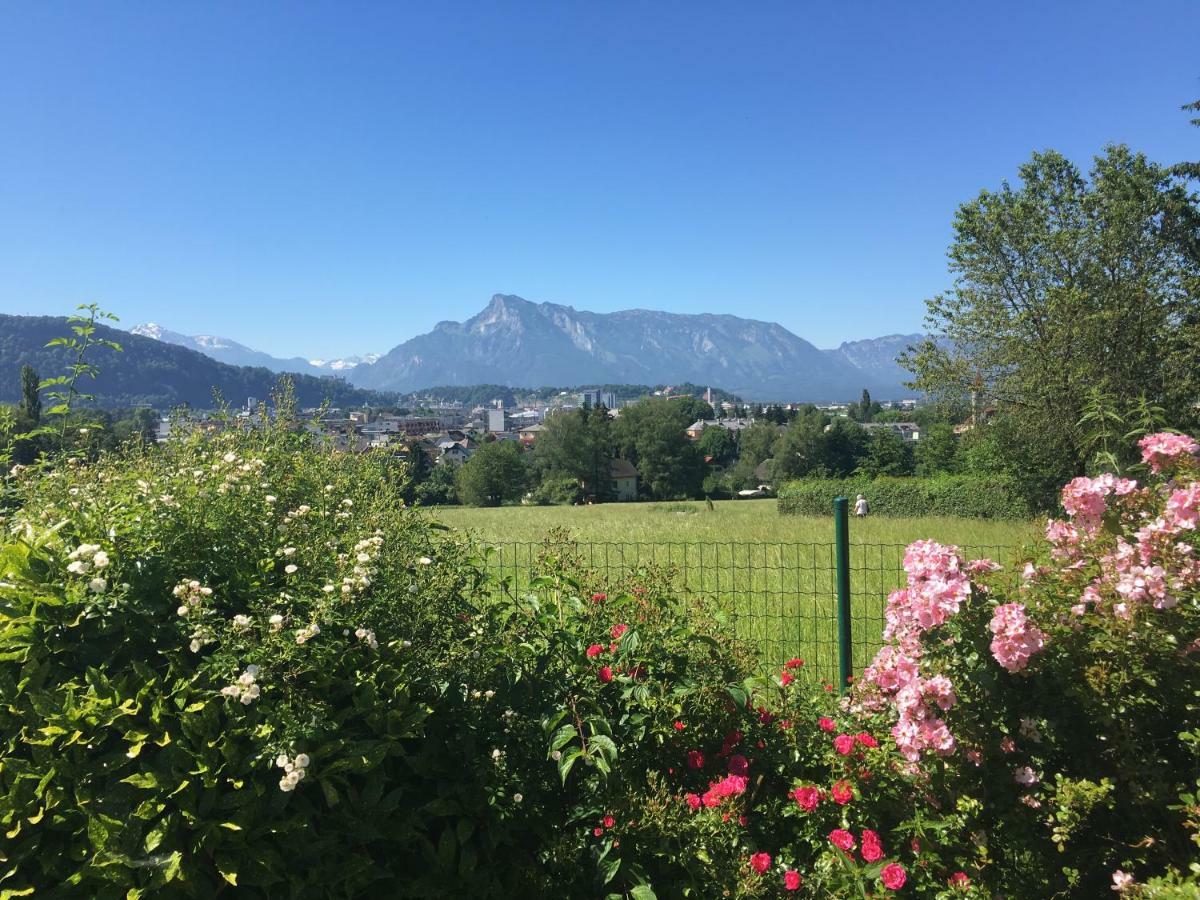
(518, 343)
(235, 354)
(150, 372)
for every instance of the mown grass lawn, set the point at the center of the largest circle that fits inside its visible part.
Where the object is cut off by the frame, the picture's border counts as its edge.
(773, 575)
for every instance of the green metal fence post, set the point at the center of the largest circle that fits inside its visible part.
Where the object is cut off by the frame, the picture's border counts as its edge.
(841, 520)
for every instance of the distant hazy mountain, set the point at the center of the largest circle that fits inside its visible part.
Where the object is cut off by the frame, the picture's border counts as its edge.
(877, 356)
(154, 372)
(235, 354)
(515, 342)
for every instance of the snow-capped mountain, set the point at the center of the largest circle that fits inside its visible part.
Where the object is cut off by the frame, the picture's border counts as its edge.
(235, 354)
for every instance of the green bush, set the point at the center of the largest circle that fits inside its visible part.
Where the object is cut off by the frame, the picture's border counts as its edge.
(971, 496)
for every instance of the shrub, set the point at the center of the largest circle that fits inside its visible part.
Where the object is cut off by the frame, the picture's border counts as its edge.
(973, 496)
(1060, 712)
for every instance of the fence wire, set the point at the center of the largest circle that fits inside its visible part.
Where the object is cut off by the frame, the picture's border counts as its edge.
(781, 598)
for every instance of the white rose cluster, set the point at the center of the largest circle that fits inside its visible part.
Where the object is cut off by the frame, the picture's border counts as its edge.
(367, 636)
(365, 552)
(192, 595)
(246, 688)
(86, 558)
(307, 633)
(241, 622)
(293, 770)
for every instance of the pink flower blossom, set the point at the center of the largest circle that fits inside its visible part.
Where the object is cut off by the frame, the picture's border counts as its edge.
(844, 744)
(594, 651)
(791, 880)
(1164, 449)
(760, 862)
(893, 876)
(695, 759)
(826, 724)
(807, 797)
(1015, 639)
(1025, 775)
(841, 792)
(738, 764)
(842, 839)
(872, 849)
(693, 801)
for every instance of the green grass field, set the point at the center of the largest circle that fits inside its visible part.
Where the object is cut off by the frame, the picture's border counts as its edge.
(774, 575)
(729, 520)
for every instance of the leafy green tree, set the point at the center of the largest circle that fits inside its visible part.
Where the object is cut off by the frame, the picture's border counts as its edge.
(720, 444)
(757, 443)
(693, 409)
(652, 435)
(887, 454)
(31, 398)
(577, 444)
(438, 488)
(494, 474)
(1065, 284)
(865, 410)
(937, 450)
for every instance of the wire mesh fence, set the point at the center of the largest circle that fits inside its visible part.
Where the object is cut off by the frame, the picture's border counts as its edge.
(779, 597)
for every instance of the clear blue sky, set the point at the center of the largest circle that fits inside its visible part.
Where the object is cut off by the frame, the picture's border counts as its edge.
(330, 178)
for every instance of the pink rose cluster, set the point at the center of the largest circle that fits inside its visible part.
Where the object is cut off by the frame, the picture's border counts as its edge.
(1086, 499)
(1014, 639)
(937, 587)
(1164, 450)
(919, 728)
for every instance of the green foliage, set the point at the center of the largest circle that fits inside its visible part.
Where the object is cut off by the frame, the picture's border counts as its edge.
(494, 474)
(720, 444)
(651, 434)
(937, 450)
(577, 444)
(1066, 285)
(971, 496)
(887, 454)
(558, 489)
(438, 488)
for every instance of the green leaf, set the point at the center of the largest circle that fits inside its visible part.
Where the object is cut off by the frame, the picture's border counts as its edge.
(566, 762)
(231, 877)
(562, 737)
(642, 892)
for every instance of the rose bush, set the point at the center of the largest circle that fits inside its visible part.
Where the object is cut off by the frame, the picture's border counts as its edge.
(1059, 712)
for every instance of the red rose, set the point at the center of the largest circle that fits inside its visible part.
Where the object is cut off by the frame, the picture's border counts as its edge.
(959, 880)
(843, 744)
(893, 876)
(597, 831)
(605, 674)
(807, 797)
(695, 759)
(738, 764)
(711, 798)
(872, 850)
(842, 839)
(594, 651)
(598, 597)
(794, 663)
(693, 800)
(608, 821)
(867, 740)
(760, 862)
(826, 724)
(618, 630)
(842, 792)
(785, 723)
(791, 880)
(679, 726)
(786, 678)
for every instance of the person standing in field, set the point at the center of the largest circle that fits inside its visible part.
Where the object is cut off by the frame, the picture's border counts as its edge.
(861, 507)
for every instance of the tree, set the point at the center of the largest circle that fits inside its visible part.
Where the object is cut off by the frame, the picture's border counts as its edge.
(937, 450)
(865, 410)
(577, 444)
(31, 398)
(757, 443)
(652, 435)
(495, 473)
(438, 488)
(1064, 284)
(720, 444)
(887, 454)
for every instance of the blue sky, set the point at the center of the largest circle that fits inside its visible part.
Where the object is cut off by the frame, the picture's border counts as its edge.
(332, 178)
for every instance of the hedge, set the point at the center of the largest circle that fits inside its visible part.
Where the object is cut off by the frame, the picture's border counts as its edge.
(971, 496)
